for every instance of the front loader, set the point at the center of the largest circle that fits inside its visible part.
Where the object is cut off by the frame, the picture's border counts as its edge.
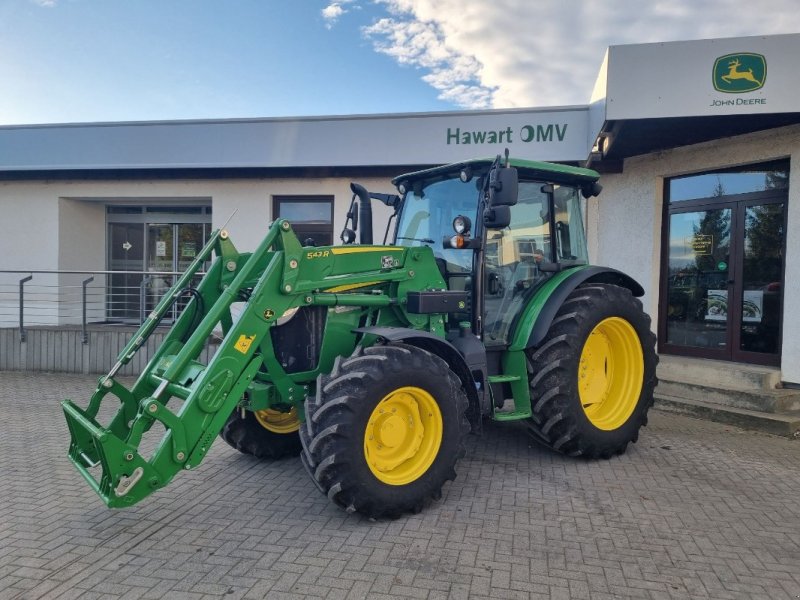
(373, 362)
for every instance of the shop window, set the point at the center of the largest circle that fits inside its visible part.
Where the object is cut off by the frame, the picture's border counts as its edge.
(311, 217)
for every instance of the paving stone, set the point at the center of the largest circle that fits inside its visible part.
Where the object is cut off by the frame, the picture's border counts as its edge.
(694, 510)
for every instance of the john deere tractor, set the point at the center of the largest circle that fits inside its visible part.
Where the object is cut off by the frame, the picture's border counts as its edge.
(373, 362)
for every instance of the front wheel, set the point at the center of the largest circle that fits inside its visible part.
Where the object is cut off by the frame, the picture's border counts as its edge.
(385, 430)
(593, 376)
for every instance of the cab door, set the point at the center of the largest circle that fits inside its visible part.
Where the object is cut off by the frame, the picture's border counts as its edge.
(520, 257)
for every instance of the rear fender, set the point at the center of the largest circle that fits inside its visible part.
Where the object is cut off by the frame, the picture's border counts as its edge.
(447, 352)
(535, 320)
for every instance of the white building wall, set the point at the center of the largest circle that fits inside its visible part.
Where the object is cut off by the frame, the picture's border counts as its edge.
(61, 225)
(625, 220)
(81, 247)
(29, 240)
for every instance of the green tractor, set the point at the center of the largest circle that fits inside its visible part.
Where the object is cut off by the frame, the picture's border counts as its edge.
(373, 362)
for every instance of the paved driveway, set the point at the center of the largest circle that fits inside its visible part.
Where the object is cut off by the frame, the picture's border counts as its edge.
(694, 509)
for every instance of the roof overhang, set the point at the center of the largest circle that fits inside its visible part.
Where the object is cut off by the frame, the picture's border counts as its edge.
(552, 134)
(625, 138)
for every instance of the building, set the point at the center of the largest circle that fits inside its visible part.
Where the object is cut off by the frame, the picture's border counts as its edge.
(695, 140)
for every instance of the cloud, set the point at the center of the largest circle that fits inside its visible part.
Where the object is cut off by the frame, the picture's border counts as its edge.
(515, 53)
(422, 44)
(333, 11)
(46, 3)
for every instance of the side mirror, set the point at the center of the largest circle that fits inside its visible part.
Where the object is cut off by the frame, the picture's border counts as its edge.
(497, 217)
(505, 187)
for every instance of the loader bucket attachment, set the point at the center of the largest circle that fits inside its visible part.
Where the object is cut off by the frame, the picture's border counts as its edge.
(93, 446)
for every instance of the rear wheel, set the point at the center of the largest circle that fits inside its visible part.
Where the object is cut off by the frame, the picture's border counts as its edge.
(264, 433)
(385, 430)
(592, 378)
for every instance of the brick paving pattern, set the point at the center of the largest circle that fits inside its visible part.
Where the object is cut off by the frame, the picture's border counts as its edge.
(694, 510)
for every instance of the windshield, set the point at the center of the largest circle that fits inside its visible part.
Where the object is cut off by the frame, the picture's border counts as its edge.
(427, 218)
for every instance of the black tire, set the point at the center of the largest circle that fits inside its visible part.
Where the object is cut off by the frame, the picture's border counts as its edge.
(559, 420)
(248, 436)
(338, 417)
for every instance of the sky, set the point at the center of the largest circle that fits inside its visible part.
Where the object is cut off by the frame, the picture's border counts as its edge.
(67, 61)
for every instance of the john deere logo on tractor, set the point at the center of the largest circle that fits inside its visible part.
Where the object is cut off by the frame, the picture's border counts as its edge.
(739, 73)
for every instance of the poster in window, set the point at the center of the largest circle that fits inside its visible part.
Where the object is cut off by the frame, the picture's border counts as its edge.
(717, 305)
(752, 306)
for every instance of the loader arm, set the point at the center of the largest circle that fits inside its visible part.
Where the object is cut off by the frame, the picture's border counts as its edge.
(192, 400)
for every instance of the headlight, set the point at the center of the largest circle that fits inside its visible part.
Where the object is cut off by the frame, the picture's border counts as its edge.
(461, 225)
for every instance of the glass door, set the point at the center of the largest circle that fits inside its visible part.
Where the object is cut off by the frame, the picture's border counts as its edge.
(190, 239)
(160, 260)
(698, 282)
(147, 244)
(171, 248)
(760, 295)
(126, 254)
(722, 263)
(722, 297)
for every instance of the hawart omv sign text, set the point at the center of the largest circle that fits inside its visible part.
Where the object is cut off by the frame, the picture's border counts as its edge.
(549, 132)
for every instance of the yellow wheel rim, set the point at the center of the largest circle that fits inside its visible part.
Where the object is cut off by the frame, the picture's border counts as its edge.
(277, 421)
(610, 373)
(403, 436)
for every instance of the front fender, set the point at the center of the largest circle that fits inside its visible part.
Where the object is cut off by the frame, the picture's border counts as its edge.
(533, 323)
(447, 352)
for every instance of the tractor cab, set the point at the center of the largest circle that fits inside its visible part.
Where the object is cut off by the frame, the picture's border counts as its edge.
(498, 229)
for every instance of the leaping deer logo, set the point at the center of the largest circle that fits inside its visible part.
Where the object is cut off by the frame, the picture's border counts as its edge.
(735, 73)
(739, 73)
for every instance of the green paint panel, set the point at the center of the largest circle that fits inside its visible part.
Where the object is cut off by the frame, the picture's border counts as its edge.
(534, 308)
(514, 361)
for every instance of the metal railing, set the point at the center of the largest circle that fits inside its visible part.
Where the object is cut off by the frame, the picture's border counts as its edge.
(71, 298)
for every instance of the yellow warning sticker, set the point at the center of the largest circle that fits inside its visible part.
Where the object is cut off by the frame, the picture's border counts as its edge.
(244, 342)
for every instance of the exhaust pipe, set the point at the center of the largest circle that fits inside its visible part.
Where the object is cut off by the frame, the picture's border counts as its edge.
(364, 213)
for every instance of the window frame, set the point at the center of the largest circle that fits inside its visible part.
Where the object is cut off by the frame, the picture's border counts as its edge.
(305, 229)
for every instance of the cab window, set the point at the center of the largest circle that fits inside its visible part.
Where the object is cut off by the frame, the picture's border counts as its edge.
(513, 256)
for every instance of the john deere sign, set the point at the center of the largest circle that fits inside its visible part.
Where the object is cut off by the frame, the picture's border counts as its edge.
(700, 77)
(739, 73)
